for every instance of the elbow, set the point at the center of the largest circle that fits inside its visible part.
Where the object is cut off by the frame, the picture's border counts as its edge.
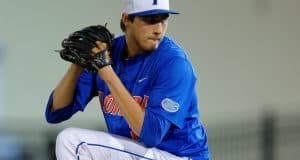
(151, 137)
(50, 115)
(56, 116)
(148, 142)
(50, 118)
(51, 121)
(59, 115)
(154, 129)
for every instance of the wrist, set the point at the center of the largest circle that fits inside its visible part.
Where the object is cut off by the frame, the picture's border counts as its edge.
(107, 73)
(75, 68)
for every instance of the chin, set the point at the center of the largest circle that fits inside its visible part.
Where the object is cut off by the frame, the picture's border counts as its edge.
(151, 47)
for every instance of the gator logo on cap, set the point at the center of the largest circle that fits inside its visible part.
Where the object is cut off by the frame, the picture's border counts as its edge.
(169, 105)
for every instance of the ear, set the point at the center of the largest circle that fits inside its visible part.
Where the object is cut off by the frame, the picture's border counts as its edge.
(125, 19)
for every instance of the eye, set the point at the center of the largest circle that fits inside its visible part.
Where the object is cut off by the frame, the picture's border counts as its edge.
(149, 19)
(153, 19)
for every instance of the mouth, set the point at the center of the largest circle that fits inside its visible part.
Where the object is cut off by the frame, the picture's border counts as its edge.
(155, 39)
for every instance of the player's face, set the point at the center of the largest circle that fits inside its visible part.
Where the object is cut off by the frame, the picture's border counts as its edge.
(147, 31)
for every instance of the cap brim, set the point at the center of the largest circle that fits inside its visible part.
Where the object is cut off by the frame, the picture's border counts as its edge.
(154, 12)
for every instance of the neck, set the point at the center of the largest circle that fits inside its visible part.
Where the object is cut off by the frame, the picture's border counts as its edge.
(131, 47)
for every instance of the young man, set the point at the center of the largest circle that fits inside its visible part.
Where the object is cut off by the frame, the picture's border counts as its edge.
(148, 96)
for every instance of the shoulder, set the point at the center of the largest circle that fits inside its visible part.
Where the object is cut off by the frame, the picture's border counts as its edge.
(118, 41)
(170, 56)
(169, 51)
(117, 48)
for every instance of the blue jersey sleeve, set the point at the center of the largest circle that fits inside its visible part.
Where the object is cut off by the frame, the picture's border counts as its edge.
(154, 129)
(171, 95)
(84, 92)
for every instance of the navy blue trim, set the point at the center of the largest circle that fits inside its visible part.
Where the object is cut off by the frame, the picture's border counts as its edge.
(99, 145)
(154, 12)
(77, 148)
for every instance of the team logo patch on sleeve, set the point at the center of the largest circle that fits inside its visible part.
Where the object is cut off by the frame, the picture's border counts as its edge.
(169, 105)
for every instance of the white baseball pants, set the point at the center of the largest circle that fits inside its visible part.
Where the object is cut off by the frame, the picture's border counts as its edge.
(83, 144)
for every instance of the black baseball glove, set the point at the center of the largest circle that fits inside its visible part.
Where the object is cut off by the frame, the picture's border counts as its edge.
(77, 48)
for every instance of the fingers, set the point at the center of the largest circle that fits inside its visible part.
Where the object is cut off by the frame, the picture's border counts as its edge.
(100, 47)
(95, 50)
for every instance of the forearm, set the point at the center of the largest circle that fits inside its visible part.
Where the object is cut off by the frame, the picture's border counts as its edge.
(130, 109)
(64, 91)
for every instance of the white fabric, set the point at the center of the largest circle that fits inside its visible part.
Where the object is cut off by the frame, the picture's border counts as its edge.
(83, 144)
(135, 6)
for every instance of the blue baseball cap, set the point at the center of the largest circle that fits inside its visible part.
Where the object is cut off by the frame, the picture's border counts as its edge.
(147, 7)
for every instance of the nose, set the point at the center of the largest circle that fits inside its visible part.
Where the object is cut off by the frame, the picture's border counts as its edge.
(158, 28)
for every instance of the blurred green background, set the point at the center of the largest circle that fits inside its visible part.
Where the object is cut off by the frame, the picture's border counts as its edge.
(246, 54)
